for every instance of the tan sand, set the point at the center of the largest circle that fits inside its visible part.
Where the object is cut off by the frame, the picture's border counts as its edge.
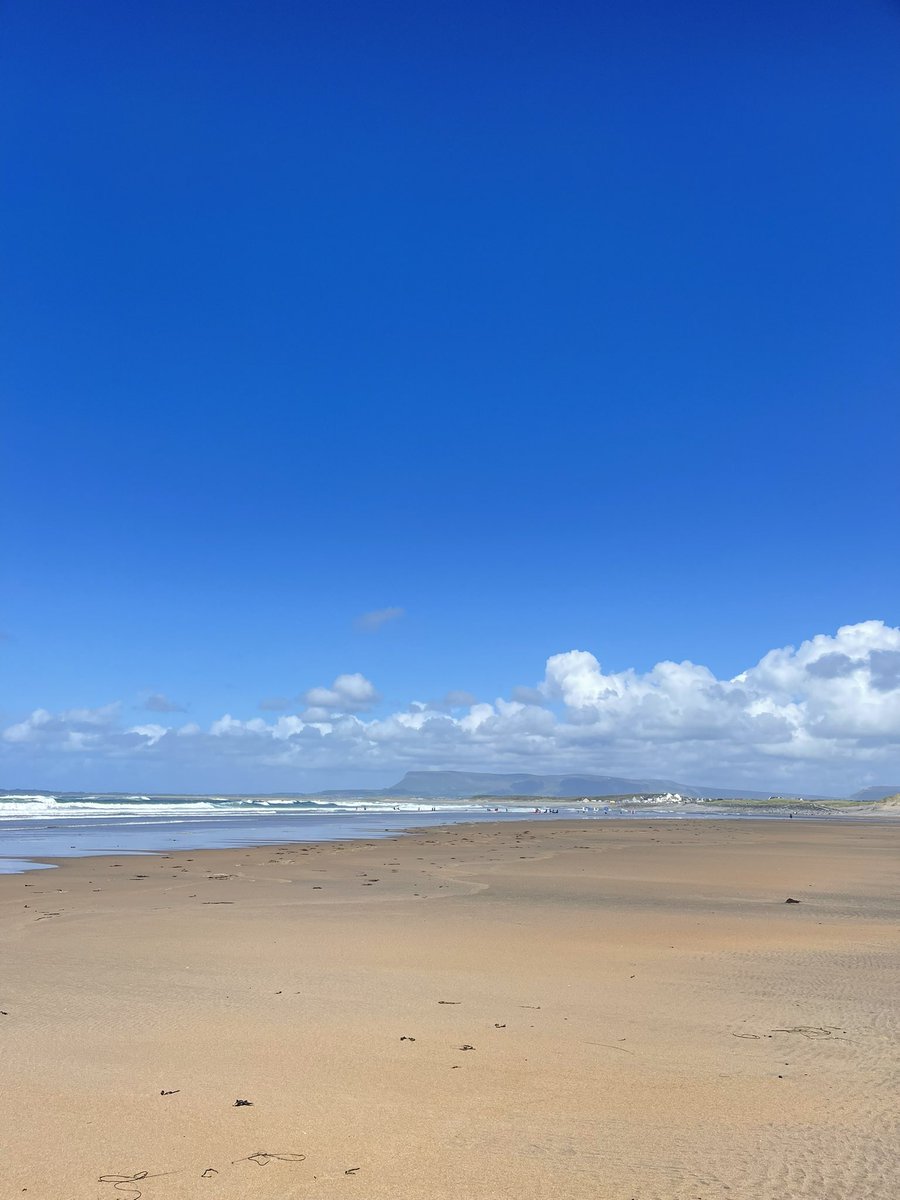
(646, 1018)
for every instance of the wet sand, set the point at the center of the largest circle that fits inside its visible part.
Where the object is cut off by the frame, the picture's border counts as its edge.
(621, 1010)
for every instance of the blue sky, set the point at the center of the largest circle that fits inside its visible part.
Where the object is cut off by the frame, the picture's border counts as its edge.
(558, 328)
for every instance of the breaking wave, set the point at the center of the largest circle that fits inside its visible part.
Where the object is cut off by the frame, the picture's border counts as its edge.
(45, 806)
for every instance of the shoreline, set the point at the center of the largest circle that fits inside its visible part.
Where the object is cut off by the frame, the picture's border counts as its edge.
(592, 1009)
(135, 838)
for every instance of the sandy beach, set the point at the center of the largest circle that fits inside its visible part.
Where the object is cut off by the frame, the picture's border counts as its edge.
(614, 1010)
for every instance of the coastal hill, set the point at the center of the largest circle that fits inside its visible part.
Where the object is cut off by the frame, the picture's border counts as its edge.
(877, 793)
(458, 784)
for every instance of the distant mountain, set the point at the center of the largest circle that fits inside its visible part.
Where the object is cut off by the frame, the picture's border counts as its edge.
(877, 792)
(455, 784)
(486, 783)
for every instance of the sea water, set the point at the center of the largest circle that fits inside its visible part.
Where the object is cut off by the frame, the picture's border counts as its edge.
(74, 825)
(42, 825)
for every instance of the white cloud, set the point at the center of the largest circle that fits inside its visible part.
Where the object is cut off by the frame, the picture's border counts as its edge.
(28, 730)
(150, 734)
(823, 716)
(369, 622)
(348, 693)
(74, 727)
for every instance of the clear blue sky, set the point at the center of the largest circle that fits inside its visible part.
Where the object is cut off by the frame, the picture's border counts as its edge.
(558, 327)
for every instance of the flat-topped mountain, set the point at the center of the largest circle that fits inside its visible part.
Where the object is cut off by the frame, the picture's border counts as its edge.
(877, 792)
(454, 784)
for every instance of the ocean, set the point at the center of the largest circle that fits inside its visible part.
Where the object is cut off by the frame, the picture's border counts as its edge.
(42, 825)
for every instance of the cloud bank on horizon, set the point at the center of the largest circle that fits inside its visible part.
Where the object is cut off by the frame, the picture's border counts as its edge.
(824, 716)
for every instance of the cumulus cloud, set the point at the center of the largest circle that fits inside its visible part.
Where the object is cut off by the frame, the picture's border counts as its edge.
(157, 702)
(71, 729)
(884, 669)
(348, 693)
(822, 716)
(369, 622)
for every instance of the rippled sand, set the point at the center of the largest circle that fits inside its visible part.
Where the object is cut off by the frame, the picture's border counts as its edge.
(548, 1009)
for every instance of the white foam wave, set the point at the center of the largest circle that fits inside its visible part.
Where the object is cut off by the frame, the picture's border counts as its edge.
(44, 807)
(25, 796)
(33, 806)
